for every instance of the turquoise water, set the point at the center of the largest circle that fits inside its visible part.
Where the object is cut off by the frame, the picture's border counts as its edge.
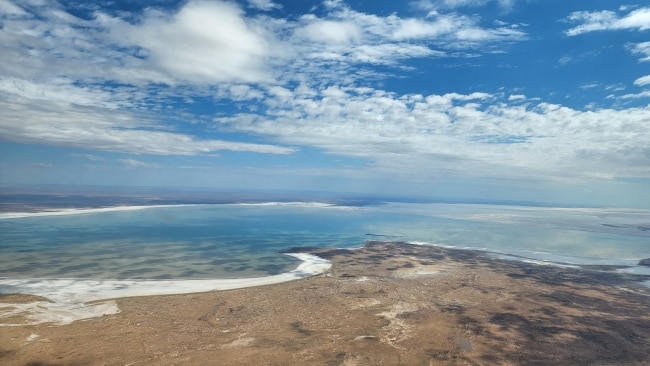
(223, 241)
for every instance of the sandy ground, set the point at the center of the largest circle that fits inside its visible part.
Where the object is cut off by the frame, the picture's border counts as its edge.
(386, 304)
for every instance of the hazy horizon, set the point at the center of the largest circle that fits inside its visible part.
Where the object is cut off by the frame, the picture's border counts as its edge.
(54, 196)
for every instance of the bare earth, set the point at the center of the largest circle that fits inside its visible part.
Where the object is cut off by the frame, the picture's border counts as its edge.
(385, 304)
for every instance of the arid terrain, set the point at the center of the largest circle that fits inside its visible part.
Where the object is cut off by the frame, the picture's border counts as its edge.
(385, 304)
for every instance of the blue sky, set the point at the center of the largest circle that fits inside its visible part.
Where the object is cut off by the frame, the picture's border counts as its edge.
(532, 100)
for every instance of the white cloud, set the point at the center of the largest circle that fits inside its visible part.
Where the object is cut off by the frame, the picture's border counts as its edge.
(33, 45)
(615, 87)
(64, 45)
(638, 19)
(204, 42)
(643, 94)
(207, 43)
(390, 53)
(454, 4)
(515, 97)
(95, 83)
(457, 134)
(59, 90)
(507, 4)
(589, 86)
(347, 37)
(642, 81)
(591, 21)
(241, 92)
(132, 163)
(87, 156)
(479, 34)
(643, 49)
(332, 31)
(451, 27)
(60, 123)
(8, 8)
(417, 28)
(264, 5)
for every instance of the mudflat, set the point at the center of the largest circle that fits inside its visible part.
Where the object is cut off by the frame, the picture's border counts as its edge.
(385, 304)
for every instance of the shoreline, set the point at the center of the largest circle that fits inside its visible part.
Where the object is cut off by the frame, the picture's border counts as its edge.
(68, 300)
(386, 303)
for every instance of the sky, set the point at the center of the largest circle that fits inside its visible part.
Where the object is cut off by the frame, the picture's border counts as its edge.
(524, 100)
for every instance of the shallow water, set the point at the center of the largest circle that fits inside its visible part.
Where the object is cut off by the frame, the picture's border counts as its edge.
(225, 241)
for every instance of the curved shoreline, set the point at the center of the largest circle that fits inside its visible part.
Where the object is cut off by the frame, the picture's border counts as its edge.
(77, 299)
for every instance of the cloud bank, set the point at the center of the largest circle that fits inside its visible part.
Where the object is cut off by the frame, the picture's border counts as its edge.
(466, 135)
(210, 76)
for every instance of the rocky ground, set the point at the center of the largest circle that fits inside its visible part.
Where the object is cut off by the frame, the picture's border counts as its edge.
(385, 304)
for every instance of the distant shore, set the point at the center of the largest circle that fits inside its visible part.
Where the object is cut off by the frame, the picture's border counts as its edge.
(47, 211)
(78, 211)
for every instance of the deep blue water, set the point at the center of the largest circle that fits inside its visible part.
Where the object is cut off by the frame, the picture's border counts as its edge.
(220, 241)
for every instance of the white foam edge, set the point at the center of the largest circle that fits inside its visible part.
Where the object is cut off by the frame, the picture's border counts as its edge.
(78, 299)
(426, 243)
(80, 211)
(496, 255)
(537, 257)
